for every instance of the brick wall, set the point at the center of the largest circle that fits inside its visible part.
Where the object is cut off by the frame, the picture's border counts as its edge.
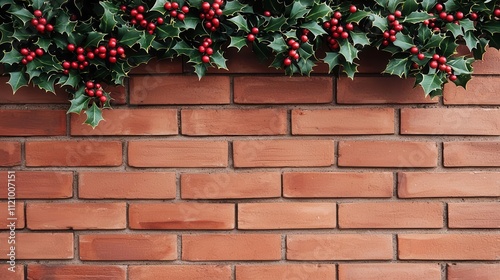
(253, 175)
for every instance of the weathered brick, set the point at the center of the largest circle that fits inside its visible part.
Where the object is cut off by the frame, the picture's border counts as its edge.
(76, 272)
(474, 215)
(6, 210)
(481, 90)
(12, 272)
(39, 246)
(32, 122)
(343, 121)
(458, 154)
(10, 153)
(287, 271)
(467, 271)
(376, 271)
(489, 63)
(180, 272)
(40, 184)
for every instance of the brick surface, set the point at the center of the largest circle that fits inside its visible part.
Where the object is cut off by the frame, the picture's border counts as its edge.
(376, 271)
(30, 95)
(337, 184)
(390, 215)
(73, 153)
(387, 154)
(185, 216)
(473, 271)
(129, 122)
(77, 272)
(489, 64)
(177, 153)
(39, 246)
(10, 153)
(448, 184)
(32, 122)
(343, 121)
(339, 247)
(276, 153)
(155, 66)
(449, 246)
(481, 90)
(291, 271)
(474, 215)
(16, 272)
(459, 121)
(286, 215)
(125, 247)
(40, 184)
(180, 272)
(6, 215)
(230, 185)
(151, 90)
(219, 247)
(279, 90)
(234, 122)
(458, 154)
(126, 185)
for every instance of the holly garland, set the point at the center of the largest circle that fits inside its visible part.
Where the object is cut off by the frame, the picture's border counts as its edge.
(78, 45)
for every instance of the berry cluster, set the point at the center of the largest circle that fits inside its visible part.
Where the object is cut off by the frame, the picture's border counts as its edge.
(175, 12)
(304, 38)
(439, 62)
(205, 50)
(252, 34)
(445, 18)
(111, 52)
(30, 55)
(81, 58)
(40, 23)
(210, 14)
(138, 18)
(95, 90)
(336, 30)
(293, 53)
(394, 28)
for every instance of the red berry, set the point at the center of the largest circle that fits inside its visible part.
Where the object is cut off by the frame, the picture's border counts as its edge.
(442, 67)
(89, 84)
(386, 35)
(397, 13)
(102, 55)
(349, 26)
(353, 9)
(442, 60)
(74, 65)
(439, 7)
(141, 9)
(255, 30)
(24, 61)
(98, 93)
(134, 13)
(435, 57)
(185, 9)
(40, 28)
(496, 12)
(33, 54)
(103, 99)
(175, 5)
(39, 52)
(421, 56)
(209, 51)
(65, 72)
(181, 17)
(90, 93)
(267, 13)
(112, 52)
(304, 38)
(218, 12)
(344, 35)
(337, 15)
(49, 27)
(205, 6)
(34, 22)
(295, 45)
(205, 59)
(459, 15)
(292, 53)
(112, 59)
(201, 49)
(251, 37)
(80, 50)
(391, 18)
(102, 49)
(42, 21)
(159, 20)
(66, 65)
(433, 64)
(151, 25)
(443, 15)
(453, 78)
(392, 38)
(120, 50)
(287, 62)
(385, 43)
(450, 18)
(80, 58)
(25, 51)
(37, 13)
(123, 7)
(133, 21)
(473, 16)
(414, 50)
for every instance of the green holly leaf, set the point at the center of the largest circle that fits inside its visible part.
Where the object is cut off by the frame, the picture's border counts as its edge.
(44, 43)
(451, 5)
(332, 59)
(348, 51)
(261, 50)
(393, 4)
(45, 82)
(467, 25)
(461, 65)
(12, 57)
(350, 69)
(428, 4)
(145, 41)
(306, 50)
(314, 27)
(298, 11)
(200, 70)
(471, 41)
(79, 103)
(359, 38)
(416, 17)
(357, 16)
(64, 25)
(275, 24)
(94, 115)
(6, 32)
(491, 27)
(318, 11)
(190, 22)
(481, 49)
(129, 36)
(159, 6)
(305, 66)
(378, 22)
(455, 29)
(278, 44)
(93, 39)
(434, 41)
(462, 80)
(118, 73)
(430, 82)
(182, 48)
(238, 42)
(233, 7)
(165, 31)
(73, 80)
(37, 4)
(108, 21)
(424, 33)
(398, 66)
(218, 59)
(21, 13)
(403, 41)
(240, 22)
(17, 80)
(448, 46)
(409, 6)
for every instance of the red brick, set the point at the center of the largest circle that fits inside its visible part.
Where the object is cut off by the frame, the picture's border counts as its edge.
(17, 214)
(234, 122)
(481, 90)
(489, 64)
(39, 246)
(391, 215)
(77, 272)
(76, 216)
(150, 90)
(474, 215)
(126, 185)
(180, 272)
(155, 66)
(10, 153)
(287, 271)
(128, 247)
(387, 154)
(376, 271)
(380, 90)
(178, 153)
(230, 185)
(73, 153)
(182, 216)
(460, 246)
(458, 154)
(337, 184)
(289, 215)
(40, 185)
(448, 184)
(451, 121)
(129, 122)
(466, 271)
(282, 153)
(30, 95)
(32, 122)
(17, 272)
(118, 94)
(283, 90)
(242, 247)
(339, 247)
(350, 121)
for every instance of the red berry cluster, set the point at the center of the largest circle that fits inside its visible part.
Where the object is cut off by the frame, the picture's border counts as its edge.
(305, 33)
(138, 18)
(210, 14)
(439, 62)
(394, 28)
(415, 50)
(30, 55)
(82, 57)
(445, 17)
(95, 90)
(293, 53)
(111, 51)
(336, 30)
(252, 34)
(40, 23)
(205, 50)
(175, 12)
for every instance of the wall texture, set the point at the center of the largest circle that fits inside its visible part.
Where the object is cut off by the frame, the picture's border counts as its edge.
(253, 175)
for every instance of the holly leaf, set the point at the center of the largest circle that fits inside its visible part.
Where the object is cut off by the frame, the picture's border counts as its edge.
(393, 4)
(73, 80)
(6, 33)
(397, 66)
(218, 59)
(462, 80)
(21, 13)
(190, 22)
(409, 6)
(332, 59)
(448, 46)
(260, 50)
(491, 27)
(455, 29)
(278, 44)
(403, 41)
(182, 48)
(44, 43)
(461, 65)
(470, 40)
(200, 70)
(145, 41)
(159, 6)
(416, 17)
(429, 82)
(79, 103)
(37, 4)
(305, 66)
(467, 25)
(350, 69)
(357, 16)
(108, 21)
(94, 115)
(45, 82)
(64, 25)
(238, 42)
(93, 39)
(348, 51)
(318, 12)
(129, 36)
(314, 27)
(359, 38)
(434, 41)
(11, 57)
(428, 4)
(240, 22)
(298, 11)
(17, 80)
(306, 50)
(378, 22)
(481, 49)
(165, 31)
(232, 7)
(275, 24)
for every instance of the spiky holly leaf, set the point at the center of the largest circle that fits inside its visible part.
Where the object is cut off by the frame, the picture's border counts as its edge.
(200, 70)
(298, 11)
(481, 49)
(275, 24)
(129, 36)
(305, 66)
(261, 50)
(278, 44)
(403, 41)
(359, 38)
(398, 66)
(94, 115)
(17, 80)
(6, 32)
(348, 51)
(471, 40)
(93, 39)
(165, 31)
(318, 11)
(73, 80)
(461, 65)
(37, 4)
(451, 5)
(357, 16)
(409, 6)
(218, 59)
(145, 41)
(45, 82)
(416, 17)
(79, 103)
(314, 27)
(378, 22)
(12, 57)
(238, 42)
(240, 22)
(332, 59)
(233, 7)
(455, 29)
(190, 22)
(430, 82)
(182, 48)
(108, 22)
(21, 13)
(428, 4)
(491, 27)
(158, 6)
(434, 41)
(462, 80)
(448, 46)
(467, 25)
(306, 50)
(64, 25)
(350, 69)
